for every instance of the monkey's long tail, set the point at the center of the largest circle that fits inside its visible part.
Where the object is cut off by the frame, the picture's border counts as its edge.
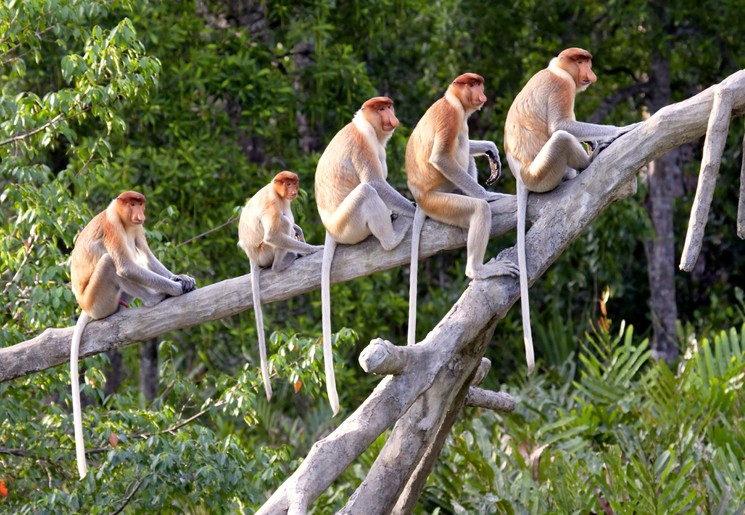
(256, 291)
(416, 232)
(329, 247)
(77, 414)
(522, 208)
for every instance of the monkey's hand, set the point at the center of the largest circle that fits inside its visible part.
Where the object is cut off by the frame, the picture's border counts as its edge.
(495, 165)
(299, 236)
(187, 283)
(628, 128)
(597, 147)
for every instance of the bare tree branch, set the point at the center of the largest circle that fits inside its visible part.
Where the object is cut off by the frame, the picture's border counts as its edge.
(716, 137)
(30, 133)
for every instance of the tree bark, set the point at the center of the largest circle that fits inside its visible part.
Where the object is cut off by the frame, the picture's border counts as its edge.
(663, 183)
(113, 373)
(149, 369)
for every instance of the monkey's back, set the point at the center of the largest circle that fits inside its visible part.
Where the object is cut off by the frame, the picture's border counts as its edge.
(86, 253)
(526, 126)
(251, 229)
(336, 173)
(421, 175)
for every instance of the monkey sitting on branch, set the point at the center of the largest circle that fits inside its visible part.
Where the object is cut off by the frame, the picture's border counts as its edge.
(355, 201)
(441, 173)
(267, 232)
(111, 264)
(542, 144)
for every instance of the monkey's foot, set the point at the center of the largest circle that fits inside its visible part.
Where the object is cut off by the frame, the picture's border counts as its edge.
(493, 268)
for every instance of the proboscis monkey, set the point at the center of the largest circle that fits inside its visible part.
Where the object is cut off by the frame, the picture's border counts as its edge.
(268, 233)
(355, 200)
(111, 265)
(441, 173)
(542, 144)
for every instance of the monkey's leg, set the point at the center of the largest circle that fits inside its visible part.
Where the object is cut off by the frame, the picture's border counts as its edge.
(545, 173)
(362, 213)
(283, 259)
(468, 213)
(145, 294)
(102, 294)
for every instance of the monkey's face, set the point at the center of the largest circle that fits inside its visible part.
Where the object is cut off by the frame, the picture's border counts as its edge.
(585, 75)
(471, 93)
(290, 190)
(476, 94)
(136, 213)
(130, 207)
(388, 120)
(286, 185)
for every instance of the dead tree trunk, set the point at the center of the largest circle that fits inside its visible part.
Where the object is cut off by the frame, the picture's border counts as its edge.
(149, 369)
(660, 249)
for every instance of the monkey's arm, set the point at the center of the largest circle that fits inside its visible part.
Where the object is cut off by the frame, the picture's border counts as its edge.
(444, 161)
(276, 237)
(187, 283)
(490, 150)
(586, 131)
(127, 268)
(392, 198)
(560, 118)
(152, 262)
(482, 147)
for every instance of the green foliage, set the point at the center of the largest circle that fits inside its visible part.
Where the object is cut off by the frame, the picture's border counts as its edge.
(206, 441)
(620, 430)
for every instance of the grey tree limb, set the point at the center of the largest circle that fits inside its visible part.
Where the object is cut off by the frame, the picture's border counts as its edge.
(716, 137)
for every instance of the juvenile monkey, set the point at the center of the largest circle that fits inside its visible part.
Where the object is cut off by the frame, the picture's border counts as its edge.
(111, 264)
(542, 144)
(267, 232)
(355, 200)
(441, 173)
